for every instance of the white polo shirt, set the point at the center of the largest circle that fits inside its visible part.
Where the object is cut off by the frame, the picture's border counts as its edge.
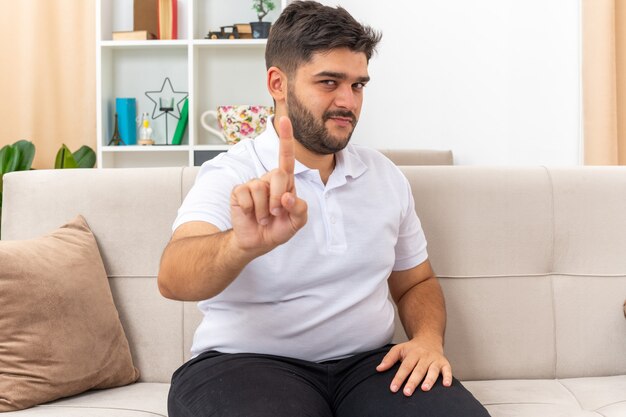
(323, 295)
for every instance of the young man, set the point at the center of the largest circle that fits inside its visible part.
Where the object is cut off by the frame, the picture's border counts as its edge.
(293, 242)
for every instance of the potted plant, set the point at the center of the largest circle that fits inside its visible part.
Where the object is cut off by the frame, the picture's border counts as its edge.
(261, 29)
(19, 157)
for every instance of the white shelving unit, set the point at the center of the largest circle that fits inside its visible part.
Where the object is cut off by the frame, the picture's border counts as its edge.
(213, 72)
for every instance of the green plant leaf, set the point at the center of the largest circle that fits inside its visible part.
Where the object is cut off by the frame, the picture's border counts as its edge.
(9, 158)
(262, 8)
(85, 157)
(27, 154)
(64, 159)
(17, 157)
(5, 155)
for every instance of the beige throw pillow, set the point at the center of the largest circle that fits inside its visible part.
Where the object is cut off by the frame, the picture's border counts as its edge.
(60, 332)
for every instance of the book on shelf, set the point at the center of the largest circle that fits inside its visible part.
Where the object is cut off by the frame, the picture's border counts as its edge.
(168, 19)
(181, 126)
(133, 35)
(146, 16)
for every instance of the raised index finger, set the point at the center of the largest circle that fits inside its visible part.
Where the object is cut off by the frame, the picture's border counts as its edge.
(286, 149)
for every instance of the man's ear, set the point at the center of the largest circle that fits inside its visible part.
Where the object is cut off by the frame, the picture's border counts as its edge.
(277, 84)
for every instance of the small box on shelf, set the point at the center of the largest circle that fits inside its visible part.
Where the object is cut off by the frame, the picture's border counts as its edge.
(133, 35)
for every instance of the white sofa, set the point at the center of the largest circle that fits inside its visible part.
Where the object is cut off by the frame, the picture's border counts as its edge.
(532, 262)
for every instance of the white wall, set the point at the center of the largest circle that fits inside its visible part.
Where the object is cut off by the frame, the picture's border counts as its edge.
(496, 81)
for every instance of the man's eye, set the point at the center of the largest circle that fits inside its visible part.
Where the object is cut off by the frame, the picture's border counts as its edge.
(358, 86)
(329, 82)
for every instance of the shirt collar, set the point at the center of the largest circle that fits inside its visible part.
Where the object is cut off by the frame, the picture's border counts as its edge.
(348, 163)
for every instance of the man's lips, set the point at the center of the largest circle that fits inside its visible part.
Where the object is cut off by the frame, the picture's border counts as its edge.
(343, 121)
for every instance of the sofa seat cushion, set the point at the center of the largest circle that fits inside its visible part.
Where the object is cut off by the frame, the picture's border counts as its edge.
(605, 395)
(141, 399)
(573, 397)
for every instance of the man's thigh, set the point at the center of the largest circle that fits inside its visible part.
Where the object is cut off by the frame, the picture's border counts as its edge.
(246, 385)
(362, 391)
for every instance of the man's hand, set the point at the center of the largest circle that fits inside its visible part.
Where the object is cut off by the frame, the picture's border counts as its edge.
(266, 211)
(420, 358)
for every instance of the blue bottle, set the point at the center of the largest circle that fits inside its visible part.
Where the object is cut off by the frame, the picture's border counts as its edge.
(126, 109)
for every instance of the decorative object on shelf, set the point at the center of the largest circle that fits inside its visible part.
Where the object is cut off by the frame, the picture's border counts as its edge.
(166, 105)
(226, 32)
(116, 139)
(244, 30)
(237, 122)
(168, 102)
(261, 29)
(134, 35)
(181, 126)
(168, 19)
(126, 109)
(146, 16)
(145, 131)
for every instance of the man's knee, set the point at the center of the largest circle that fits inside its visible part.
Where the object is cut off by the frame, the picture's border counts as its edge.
(245, 386)
(251, 406)
(377, 400)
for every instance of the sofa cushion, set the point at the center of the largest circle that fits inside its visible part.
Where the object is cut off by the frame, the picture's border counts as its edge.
(142, 399)
(574, 397)
(60, 332)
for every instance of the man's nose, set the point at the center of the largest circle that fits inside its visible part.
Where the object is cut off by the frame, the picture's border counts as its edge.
(346, 98)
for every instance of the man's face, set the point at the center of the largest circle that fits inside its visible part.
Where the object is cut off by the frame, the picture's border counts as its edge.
(324, 99)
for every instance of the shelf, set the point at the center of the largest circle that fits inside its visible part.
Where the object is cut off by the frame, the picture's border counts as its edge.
(210, 43)
(143, 44)
(223, 147)
(183, 43)
(148, 148)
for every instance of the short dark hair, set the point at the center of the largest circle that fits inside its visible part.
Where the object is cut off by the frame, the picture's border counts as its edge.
(307, 27)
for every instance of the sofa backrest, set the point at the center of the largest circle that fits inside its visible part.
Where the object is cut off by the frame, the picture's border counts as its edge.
(533, 266)
(402, 157)
(531, 260)
(130, 212)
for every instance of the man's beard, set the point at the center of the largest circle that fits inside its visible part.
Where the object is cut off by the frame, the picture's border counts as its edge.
(311, 132)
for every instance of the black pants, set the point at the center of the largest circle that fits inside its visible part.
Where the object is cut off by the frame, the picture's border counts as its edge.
(252, 385)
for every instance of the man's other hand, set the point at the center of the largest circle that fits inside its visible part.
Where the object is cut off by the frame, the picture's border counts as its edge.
(422, 361)
(266, 211)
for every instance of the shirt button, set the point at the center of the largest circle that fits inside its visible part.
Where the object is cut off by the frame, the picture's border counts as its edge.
(332, 220)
